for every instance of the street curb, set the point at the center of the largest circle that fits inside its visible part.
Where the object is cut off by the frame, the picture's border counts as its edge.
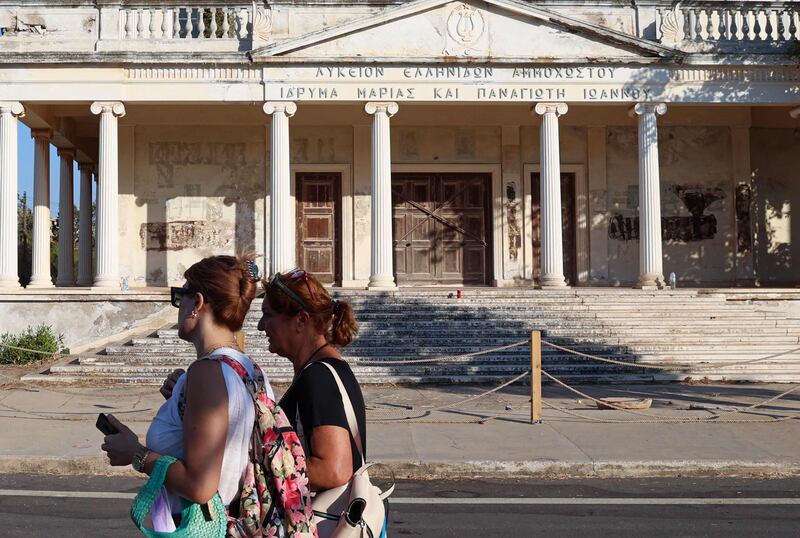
(416, 470)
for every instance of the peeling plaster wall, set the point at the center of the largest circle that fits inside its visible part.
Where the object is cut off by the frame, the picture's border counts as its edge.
(329, 144)
(776, 185)
(446, 145)
(196, 191)
(697, 204)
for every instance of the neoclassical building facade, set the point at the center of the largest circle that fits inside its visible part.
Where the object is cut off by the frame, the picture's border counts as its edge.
(385, 143)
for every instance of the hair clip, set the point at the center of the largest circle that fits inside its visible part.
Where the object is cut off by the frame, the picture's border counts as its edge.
(253, 269)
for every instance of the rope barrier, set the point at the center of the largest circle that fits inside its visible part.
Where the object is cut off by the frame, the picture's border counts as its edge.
(445, 358)
(670, 367)
(715, 418)
(51, 353)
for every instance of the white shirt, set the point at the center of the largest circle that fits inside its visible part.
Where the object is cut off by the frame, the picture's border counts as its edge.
(165, 435)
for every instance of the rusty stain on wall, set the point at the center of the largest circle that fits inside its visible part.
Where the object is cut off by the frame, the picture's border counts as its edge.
(181, 235)
(514, 228)
(744, 238)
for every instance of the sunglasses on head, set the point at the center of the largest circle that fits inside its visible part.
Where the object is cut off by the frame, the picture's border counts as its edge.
(175, 295)
(293, 275)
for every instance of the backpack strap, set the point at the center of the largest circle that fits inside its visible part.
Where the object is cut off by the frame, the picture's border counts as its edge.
(252, 385)
(348, 411)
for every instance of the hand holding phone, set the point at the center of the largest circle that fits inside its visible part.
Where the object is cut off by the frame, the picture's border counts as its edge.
(104, 425)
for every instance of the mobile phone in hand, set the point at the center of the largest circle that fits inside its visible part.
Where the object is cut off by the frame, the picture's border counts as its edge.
(104, 425)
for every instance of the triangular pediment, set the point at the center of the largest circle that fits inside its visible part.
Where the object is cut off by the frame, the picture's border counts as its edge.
(491, 29)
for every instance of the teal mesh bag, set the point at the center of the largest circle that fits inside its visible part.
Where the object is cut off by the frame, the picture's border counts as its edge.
(197, 521)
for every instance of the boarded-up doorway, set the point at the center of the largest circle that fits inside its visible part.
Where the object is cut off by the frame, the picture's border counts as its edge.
(568, 226)
(441, 228)
(318, 198)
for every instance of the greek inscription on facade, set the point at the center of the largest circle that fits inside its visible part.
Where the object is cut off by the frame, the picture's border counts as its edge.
(295, 92)
(611, 94)
(521, 94)
(350, 72)
(445, 93)
(552, 73)
(386, 93)
(448, 72)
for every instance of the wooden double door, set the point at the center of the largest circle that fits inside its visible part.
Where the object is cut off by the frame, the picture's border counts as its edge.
(441, 228)
(318, 227)
(568, 226)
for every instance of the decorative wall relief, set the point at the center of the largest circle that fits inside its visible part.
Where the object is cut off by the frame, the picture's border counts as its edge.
(181, 235)
(697, 227)
(166, 156)
(466, 31)
(262, 27)
(513, 219)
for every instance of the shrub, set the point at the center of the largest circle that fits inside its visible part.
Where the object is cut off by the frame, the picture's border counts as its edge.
(39, 338)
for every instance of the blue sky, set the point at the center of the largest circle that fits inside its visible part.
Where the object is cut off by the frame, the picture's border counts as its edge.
(25, 164)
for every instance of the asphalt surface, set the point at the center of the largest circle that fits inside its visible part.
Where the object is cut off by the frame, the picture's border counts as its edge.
(609, 507)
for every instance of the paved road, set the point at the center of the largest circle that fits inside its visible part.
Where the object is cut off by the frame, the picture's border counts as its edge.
(662, 507)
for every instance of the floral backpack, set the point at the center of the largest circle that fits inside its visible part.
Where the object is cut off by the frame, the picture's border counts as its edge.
(275, 499)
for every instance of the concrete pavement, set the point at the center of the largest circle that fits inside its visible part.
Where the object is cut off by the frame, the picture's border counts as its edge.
(48, 429)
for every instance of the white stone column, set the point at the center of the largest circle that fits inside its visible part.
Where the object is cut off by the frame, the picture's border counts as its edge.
(107, 193)
(66, 216)
(85, 226)
(552, 247)
(282, 240)
(9, 227)
(382, 266)
(651, 272)
(40, 263)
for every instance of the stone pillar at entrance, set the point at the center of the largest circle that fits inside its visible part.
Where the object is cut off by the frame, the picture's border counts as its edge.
(85, 227)
(107, 194)
(66, 230)
(40, 263)
(281, 208)
(651, 272)
(552, 274)
(382, 266)
(9, 112)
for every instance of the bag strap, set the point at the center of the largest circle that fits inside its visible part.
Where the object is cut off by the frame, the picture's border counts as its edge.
(348, 411)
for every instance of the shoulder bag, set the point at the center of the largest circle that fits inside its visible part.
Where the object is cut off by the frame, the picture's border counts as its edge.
(356, 509)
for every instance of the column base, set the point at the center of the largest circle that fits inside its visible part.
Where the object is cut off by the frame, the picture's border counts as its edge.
(107, 282)
(553, 281)
(10, 285)
(649, 283)
(381, 283)
(40, 283)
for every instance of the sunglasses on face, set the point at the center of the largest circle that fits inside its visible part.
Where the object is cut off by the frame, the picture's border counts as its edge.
(175, 295)
(294, 275)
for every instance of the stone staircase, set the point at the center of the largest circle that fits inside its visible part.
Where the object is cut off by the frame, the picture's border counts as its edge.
(676, 326)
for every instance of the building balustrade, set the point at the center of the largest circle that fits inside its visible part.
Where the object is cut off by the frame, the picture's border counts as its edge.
(714, 25)
(732, 22)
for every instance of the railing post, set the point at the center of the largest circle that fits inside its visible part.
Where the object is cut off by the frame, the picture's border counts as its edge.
(536, 377)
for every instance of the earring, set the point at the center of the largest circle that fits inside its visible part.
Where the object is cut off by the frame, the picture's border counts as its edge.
(194, 314)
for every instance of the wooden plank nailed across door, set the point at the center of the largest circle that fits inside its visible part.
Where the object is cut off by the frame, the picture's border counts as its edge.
(440, 228)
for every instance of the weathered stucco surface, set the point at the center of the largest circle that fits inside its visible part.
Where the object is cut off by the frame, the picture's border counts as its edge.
(81, 320)
(776, 186)
(196, 191)
(697, 198)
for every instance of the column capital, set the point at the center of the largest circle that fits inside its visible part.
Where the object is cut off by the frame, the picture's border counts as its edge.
(108, 107)
(640, 109)
(86, 167)
(42, 134)
(387, 107)
(12, 107)
(795, 114)
(559, 109)
(66, 153)
(289, 108)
